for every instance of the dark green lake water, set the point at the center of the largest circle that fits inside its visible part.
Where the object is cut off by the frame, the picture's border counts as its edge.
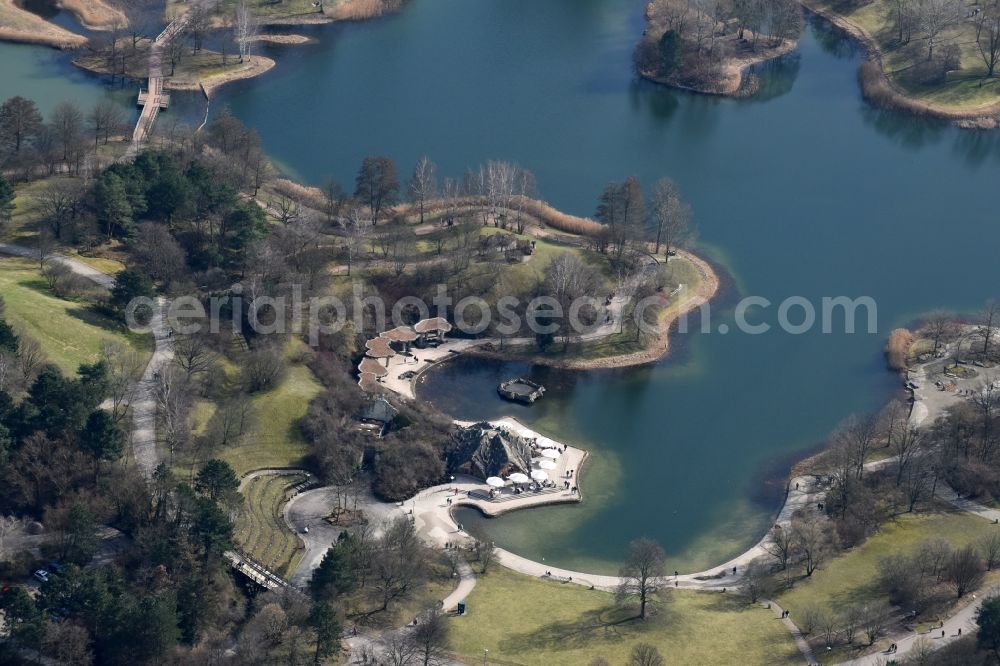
(804, 190)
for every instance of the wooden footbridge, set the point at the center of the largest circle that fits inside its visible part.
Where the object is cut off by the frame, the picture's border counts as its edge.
(152, 99)
(257, 572)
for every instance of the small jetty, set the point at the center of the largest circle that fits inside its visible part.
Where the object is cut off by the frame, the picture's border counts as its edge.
(521, 390)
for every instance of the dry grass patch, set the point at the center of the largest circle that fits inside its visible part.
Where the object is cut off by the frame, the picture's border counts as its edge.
(261, 530)
(93, 14)
(19, 25)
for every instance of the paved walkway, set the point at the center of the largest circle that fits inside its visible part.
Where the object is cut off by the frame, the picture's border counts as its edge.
(793, 629)
(929, 401)
(143, 401)
(144, 440)
(74, 265)
(935, 638)
(805, 497)
(310, 510)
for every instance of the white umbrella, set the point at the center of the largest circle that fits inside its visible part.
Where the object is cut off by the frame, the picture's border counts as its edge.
(547, 464)
(517, 477)
(496, 482)
(551, 453)
(540, 475)
(545, 442)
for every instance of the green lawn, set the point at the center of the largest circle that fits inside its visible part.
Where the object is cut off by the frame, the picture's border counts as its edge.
(23, 225)
(70, 332)
(964, 89)
(261, 530)
(523, 620)
(105, 265)
(852, 578)
(276, 440)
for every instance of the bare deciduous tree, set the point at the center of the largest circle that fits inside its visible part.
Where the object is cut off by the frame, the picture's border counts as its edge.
(988, 317)
(485, 553)
(988, 34)
(245, 29)
(423, 184)
(356, 235)
(812, 540)
(671, 217)
(965, 571)
(125, 366)
(851, 620)
(194, 355)
(645, 654)
(933, 18)
(989, 549)
(781, 546)
(940, 326)
(397, 649)
(874, 620)
(106, 119)
(430, 638)
(377, 185)
(172, 411)
(60, 205)
(30, 358)
(642, 573)
(756, 582)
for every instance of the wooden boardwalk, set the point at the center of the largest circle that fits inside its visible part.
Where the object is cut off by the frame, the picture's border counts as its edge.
(153, 98)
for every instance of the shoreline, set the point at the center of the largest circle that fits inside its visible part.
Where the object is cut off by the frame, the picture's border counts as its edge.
(880, 91)
(257, 66)
(733, 80)
(655, 350)
(576, 457)
(736, 69)
(22, 27)
(94, 15)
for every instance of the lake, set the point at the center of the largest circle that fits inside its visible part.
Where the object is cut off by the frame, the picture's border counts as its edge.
(802, 191)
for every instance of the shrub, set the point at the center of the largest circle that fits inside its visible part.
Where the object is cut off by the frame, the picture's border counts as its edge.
(898, 348)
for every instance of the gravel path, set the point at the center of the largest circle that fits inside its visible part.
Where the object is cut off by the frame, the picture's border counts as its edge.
(144, 402)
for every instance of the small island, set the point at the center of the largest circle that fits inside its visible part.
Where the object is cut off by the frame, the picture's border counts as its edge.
(689, 48)
(521, 390)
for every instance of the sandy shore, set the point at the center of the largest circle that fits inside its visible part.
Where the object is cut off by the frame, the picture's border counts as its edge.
(283, 39)
(878, 88)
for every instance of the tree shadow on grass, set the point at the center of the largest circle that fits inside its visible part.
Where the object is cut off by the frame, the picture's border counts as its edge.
(36, 284)
(602, 626)
(91, 317)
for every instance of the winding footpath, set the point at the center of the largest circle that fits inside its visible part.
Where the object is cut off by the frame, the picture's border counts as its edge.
(143, 435)
(963, 620)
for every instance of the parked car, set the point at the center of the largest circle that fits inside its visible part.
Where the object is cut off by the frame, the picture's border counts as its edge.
(42, 576)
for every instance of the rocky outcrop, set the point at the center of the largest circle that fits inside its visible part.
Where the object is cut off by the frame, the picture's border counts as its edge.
(484, 450)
